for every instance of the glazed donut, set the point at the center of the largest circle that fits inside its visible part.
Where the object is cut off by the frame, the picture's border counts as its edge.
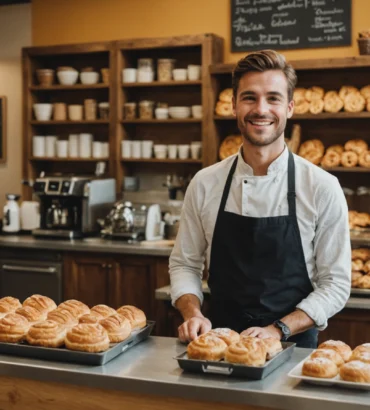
(349, 159)
(224, 109)
(361, 253)
(299, 94)
(365, 347)
(365, 91)
(355, 371)
(366, 267)
(310, 145)
(301, 107)
(354, 103)
(336, 148)
(314, 93)
(316, 106)
(331, 159)
(347, 90)
(340, 347)
(357, 264)
(333, 103)
(226, 95)
(320, 367)
(364, 282)
(355, 277)
(227, 335)
(358, 146)
(364, 159)
(206, 347)
(328, 354)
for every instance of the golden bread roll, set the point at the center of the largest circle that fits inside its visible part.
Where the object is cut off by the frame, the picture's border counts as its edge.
(339, 149)
(366, 267)
(320, 367)
(355, 277)
(8, 304)
(316, 106)
(117, 327)
(357, 264)
(87, 338)
(355, 371)
(361, 253)
(368, 104)
(340, 347)
(314, 156)
(299, 94)
(354, 103)
(362, 356)
(301, 107)
(330, 94)
(356, 145)
(364, 282)
(47, 334)
(364, 159)
(32, 314)
(273, 347)
(365, 91)
(13, 328)
(135, 316)
(91, 318)
(332, 102)
(41, 303)
(225, 109)
(102, 310)
(361, 219)
(349, 159)
(314, 93)
(328, 354)
(331, 159)
(311, 145)
(63, 317)
(347, 90)
(206, 347)
(226, 95)
(229, 336)
(246, 352)
(230, 146)
(76, 307)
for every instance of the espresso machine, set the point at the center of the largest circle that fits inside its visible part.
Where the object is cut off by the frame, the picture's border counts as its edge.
(71, 206)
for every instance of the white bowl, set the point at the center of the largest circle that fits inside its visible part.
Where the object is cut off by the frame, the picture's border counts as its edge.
(43, 111)
(197, 111)
(180, 74)
(89, 77)
(179, 112)
(67, 77)
(161, 113)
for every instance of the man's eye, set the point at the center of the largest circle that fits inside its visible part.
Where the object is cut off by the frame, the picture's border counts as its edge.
(274, 99)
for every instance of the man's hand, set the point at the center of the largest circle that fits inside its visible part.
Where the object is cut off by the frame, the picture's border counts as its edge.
(194, 327)
(263, 332)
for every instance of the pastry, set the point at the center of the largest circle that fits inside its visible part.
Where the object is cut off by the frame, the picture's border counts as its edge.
(225, 109)
(365, 91)
(354, 103)
(362, 356)
(87, 338)
(361, 253)
(331, 159)
(76, 307)
(332, 102)
(102, 310)
(336, 148)
(301, 107)
(91, 318)
(366, 267)
(358, 146)
(364, 159)
(320, 367)
(246, 352)
(226, 95)
(13, 328)
(206, 347)
(47, 334)
(117, 327)
(316, 106)
(295, 138)
(136, 316)
(330, 95)
(313, 156)
(349, 159)
(340, 347)
(361, 219)
(299, 94)
(328, 354)
(347, 90)
(230, 146)
(355, 277)
(31, 314)
(41, 303)
(273, 347)
(357, 264)
(8, 304)
(364, 282)
(311, 145)
(365, 347)
(63, 317)
(314, 93)
(227, 335)
(355, 371)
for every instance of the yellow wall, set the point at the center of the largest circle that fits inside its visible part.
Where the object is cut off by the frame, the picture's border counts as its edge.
(75, 21)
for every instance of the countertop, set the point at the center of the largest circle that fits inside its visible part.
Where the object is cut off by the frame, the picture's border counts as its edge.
(149, 369)
(94, 244)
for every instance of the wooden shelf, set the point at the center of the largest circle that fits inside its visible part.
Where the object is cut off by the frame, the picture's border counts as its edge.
(56, 87)
(322, 116)
(344, 169)
(169, 121)
(47, 159)
(34, 122)
(161, 84)
(226, 118)
(164, 161)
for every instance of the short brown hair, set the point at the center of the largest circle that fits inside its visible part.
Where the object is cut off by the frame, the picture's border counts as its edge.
(262, 61)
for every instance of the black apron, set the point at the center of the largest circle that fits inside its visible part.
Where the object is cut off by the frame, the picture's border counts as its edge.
(257, 271)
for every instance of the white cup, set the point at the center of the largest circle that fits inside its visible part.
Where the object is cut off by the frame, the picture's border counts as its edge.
(145, 76)
(62, 149)
(73, 145)
(193, 72)
(180, 74)
(105, 149)
(97, 149)
(85, 145)
(129, 75)
(38, 146)
(43, 111)
(75, 112)
(161, 113)
(197, 111)
(160, 151)
(146, 149)
(50, 145)
(195, 148)
(126, 146)
(136, 149)
(184, 151)
(172, 151)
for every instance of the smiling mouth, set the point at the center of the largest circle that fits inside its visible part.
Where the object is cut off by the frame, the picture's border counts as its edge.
(260, 123)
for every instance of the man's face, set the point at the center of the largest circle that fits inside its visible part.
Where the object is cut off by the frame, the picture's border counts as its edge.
(262, 107)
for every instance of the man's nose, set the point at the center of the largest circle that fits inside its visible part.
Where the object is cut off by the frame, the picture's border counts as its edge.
(261, 106)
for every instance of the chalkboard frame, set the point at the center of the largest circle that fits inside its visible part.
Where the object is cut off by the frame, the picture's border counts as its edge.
(3, 129)
(246, 49)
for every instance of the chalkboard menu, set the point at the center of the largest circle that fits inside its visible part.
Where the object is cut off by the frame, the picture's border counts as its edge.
(289, 24)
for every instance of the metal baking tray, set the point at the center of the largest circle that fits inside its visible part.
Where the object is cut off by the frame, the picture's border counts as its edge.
(360, 292)
(296, 373)
(236, 370)
(62, 354)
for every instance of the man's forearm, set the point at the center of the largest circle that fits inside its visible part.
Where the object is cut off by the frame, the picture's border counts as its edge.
(298, 321)
(189, 306)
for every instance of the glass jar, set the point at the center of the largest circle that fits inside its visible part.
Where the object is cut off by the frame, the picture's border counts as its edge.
(164, 69)
(146, 109)
(145, 72)
(129, 111)
(145, 64)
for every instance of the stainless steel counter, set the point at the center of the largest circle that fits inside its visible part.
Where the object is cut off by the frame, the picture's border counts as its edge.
(149, 369)
(83, 245)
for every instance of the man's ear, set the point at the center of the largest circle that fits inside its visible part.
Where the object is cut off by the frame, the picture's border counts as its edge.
(290, 109)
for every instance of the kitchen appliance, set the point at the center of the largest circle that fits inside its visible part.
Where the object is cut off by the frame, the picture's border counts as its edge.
(133, 222)
(11, 220)
(71, 206)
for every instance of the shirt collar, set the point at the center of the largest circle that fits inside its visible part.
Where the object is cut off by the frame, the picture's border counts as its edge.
(280, 164)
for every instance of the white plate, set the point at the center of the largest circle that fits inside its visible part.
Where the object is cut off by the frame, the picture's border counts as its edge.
(296, 373)
(356, 291)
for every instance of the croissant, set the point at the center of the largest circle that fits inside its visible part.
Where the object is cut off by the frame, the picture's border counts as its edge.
(47, 334)
(117, 327)
(136, 316)
(13, 328)
(41, 303)
(9, 304)
(76, 307)
(87, 338)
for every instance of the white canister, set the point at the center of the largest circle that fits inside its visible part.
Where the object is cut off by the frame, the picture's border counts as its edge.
(11, 214)
(75, 112)
(97, 149)
(197, 111)
(184, 151)
(195, 149)
(85, 145)
(30, 215)
(129, 75)
(136, 149)
(73, 145)
(160, 151)
(126, 146)
(43, 111)
(146, 149)
(62, 149)
(105, 149)
(38, 146)
(172, 151)
(194, 72)
(50, 145)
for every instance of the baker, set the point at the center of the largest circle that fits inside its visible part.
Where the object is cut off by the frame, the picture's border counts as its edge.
(272, 226)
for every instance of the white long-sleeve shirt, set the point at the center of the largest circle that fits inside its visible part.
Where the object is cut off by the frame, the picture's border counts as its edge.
(322, 215)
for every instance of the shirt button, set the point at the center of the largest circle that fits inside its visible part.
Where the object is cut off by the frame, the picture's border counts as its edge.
(245, 181)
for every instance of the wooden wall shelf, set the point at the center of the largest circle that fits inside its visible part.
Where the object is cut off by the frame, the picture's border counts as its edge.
(344, 169)
(56, 87)
(161, 84)
(163, 161)
(47, 159)
(322, 116)
(168, 121)
(34, 122)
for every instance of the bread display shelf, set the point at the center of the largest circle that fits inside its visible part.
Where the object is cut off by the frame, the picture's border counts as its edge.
(161, 84)
(73, 356)
(237, 370)
(57, 87)
(344, 169)
(360, 292)
(296, 373)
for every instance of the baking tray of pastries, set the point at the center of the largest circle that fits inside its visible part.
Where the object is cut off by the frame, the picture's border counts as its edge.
(360, 280)
(244, 357)
(335, 364)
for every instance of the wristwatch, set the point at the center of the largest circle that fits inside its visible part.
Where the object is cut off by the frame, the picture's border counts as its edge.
(284, 329)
